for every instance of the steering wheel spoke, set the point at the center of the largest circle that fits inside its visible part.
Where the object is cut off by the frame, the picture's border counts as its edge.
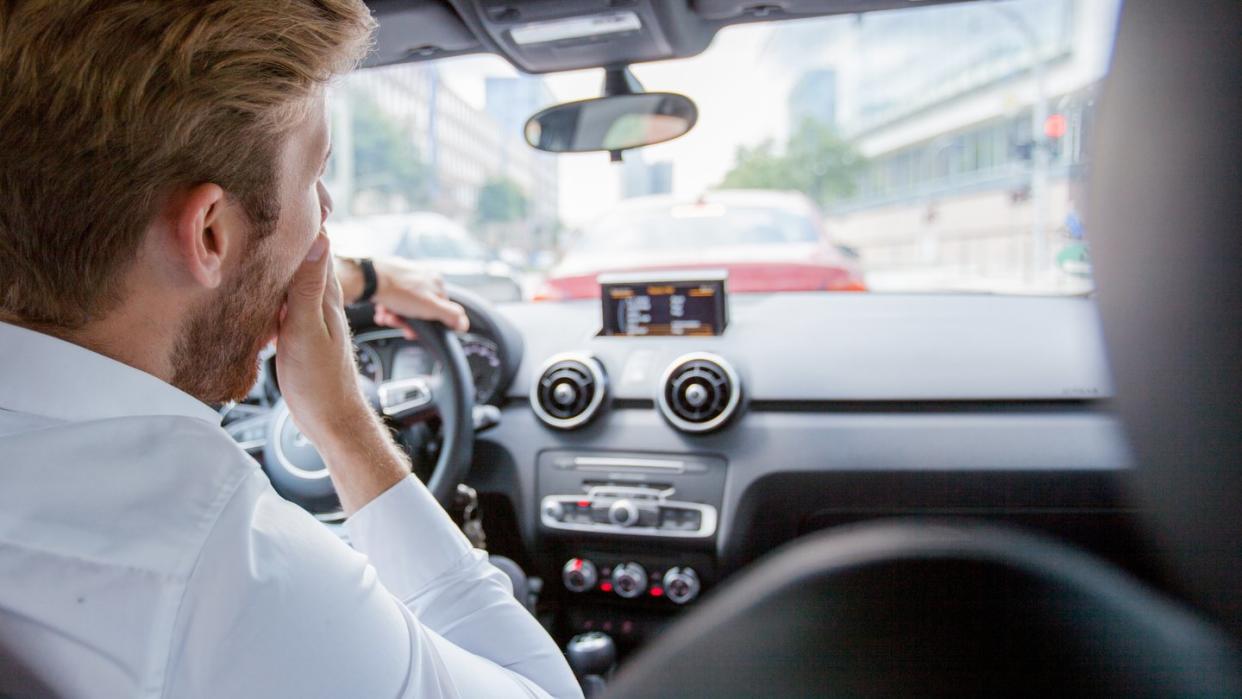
(409, 401)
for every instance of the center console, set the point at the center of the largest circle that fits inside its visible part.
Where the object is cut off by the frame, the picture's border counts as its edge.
(628, 538)
(632, 534)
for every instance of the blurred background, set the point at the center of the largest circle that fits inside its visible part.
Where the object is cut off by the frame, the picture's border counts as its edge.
(934, 149)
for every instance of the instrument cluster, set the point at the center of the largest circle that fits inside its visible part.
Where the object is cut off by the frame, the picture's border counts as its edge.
(386, 355)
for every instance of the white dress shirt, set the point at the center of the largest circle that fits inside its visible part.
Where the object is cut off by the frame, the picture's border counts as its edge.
(143, 554)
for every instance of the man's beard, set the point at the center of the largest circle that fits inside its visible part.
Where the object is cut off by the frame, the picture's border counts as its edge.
(216, 359)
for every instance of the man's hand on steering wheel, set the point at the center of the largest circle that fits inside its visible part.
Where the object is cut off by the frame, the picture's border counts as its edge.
(406, 290)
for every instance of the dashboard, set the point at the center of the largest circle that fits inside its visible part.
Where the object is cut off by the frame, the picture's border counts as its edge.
(811, 411)
(635, 471)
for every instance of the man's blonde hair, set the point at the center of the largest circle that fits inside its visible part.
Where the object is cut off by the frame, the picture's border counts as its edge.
(108, 105)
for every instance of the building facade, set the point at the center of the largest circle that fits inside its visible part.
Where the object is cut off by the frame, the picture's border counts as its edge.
(460, 147)
(953, 107)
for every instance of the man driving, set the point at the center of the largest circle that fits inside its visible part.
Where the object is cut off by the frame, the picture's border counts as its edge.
(162, 221)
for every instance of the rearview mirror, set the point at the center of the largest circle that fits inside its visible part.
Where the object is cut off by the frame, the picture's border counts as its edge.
(614, 123)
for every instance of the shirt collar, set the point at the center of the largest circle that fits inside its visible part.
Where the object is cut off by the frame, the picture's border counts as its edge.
(46, 376)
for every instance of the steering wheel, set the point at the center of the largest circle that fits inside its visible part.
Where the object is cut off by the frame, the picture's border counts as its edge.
(298, 472)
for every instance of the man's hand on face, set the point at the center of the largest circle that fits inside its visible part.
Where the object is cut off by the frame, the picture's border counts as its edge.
(405, 289)
(319, 381)
(315, 361)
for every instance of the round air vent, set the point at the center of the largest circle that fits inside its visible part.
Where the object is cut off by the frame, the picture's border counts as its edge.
(699, 392)
(568, 390)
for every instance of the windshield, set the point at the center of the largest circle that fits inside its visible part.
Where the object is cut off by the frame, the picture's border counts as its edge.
(929, 149)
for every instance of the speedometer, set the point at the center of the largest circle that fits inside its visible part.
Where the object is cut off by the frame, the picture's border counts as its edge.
(485, 367)
(369, 363)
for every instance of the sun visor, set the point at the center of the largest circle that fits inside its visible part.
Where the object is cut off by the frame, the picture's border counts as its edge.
(737, 11)
(540, 36)
(416, 31)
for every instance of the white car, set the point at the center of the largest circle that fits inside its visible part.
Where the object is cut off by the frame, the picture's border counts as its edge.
(431, 239)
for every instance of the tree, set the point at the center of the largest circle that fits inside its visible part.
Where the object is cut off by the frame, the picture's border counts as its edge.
(759, 167)
(386, 161)
(500, 200)
(815, 161)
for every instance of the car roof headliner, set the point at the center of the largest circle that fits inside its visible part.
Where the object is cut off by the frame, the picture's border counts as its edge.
(419, 30)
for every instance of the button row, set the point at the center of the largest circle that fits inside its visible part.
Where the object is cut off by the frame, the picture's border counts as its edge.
(630, 580)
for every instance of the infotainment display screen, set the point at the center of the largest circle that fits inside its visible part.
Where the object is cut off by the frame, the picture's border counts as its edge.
(667, 304)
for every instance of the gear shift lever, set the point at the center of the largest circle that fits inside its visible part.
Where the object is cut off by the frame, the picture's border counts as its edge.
(592, 656)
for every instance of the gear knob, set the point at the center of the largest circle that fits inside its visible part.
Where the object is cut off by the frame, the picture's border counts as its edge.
(591, 653)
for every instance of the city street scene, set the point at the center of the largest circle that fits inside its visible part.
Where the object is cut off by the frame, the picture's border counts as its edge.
(940, 149)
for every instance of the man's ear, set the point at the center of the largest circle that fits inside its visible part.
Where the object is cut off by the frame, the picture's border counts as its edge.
(206, 234)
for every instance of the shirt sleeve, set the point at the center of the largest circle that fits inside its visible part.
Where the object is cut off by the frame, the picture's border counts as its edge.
(277, 606)
(451, 587)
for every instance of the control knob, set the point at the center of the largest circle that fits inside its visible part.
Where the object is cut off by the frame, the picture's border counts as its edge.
(564, 393)
(579, 575)
(554, 510)
(681, 584)
(623, 513)
(629, 580)
(696, 395)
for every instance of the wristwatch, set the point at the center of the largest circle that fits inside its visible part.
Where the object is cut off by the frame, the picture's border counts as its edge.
(370, 282)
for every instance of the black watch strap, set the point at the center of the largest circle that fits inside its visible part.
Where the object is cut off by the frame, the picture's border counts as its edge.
(370, 282)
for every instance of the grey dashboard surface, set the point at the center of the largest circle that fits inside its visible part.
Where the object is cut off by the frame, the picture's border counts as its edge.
(997, 394)
(973, 448)
(852, 347)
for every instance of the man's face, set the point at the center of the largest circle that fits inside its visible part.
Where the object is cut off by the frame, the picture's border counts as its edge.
(216, 357)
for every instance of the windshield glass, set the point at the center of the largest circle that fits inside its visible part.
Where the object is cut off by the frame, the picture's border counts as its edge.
(694, 227)
(928, 149)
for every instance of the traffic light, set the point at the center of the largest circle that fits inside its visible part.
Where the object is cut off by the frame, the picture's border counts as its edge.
(1055, 128)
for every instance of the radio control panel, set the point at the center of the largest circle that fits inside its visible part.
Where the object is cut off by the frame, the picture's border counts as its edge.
(635, 496)
(629, 511)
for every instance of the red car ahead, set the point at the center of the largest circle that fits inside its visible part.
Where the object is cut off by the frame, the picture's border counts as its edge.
(768, 241)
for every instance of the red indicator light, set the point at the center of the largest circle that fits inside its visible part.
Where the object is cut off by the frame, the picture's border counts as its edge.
(657, 591)
(605, 587)
(584, 503)
(1055, 126)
